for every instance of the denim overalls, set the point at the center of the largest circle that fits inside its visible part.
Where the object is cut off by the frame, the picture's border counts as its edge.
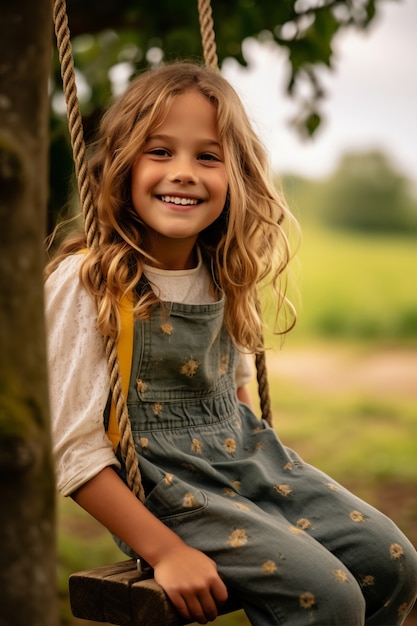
(296, 547)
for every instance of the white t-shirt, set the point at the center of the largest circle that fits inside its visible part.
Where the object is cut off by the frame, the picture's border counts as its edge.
(78, 374)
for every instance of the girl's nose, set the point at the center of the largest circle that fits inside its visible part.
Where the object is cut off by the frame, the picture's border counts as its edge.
(183, 172)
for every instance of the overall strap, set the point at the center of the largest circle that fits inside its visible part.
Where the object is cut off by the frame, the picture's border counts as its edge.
(124, 353)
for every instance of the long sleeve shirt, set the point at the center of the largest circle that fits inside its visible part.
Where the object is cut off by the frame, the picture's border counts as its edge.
(78, 372)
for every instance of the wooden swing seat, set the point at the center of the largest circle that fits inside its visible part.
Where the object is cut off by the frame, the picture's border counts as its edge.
(121, 594)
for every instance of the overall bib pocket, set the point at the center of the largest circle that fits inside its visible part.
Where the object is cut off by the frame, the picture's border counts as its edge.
(171, 499)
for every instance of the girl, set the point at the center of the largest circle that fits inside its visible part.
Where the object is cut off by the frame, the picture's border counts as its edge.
(190, 224)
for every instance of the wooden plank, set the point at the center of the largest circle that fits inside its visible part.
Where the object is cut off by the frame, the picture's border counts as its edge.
(131, 598)
(120, 594)
(150, 606)
(86, 589)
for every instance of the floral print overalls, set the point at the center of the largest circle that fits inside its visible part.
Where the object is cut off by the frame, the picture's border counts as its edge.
(296, 547)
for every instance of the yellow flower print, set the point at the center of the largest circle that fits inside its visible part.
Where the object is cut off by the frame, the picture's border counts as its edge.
(288, 467)
(284, 490)
(304, 523)
(367, 581)
(396, 551)
(236, 484)
(141, 386)
(144, 442)
(230, 445)
(259, 446)
(269, 567)
(190, 368)
(357, 516)
(307, 600)
(196, 446)
(167, 328)
(242, 507)
(332, 486)
(340, 575)
(403, 608)
(224, 364)
(238, 538)
(188, 501)
(157, 408)
(295, 531)
(229, 492)
(169, 479)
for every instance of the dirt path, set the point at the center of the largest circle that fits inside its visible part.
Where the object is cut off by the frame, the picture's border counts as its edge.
(383, 372)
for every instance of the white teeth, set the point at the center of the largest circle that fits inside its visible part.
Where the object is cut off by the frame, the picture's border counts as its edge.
(177, 200)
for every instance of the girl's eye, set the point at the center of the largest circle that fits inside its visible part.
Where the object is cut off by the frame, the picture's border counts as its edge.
(207, 156)
(160, 152)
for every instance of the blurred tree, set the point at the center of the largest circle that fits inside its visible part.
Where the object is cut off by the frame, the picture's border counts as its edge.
(115, 39)
(142, 32)
(27, 559)
(366, 193)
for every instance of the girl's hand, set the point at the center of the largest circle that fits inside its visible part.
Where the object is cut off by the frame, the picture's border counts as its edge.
(188, 576)
(192, 583)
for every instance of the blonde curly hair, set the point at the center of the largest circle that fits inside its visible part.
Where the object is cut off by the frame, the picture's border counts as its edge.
(244, 248)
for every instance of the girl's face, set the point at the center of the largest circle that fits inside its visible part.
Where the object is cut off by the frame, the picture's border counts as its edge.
(179, 181)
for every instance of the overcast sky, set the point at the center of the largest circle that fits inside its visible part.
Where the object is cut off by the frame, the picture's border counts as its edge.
(371, 96)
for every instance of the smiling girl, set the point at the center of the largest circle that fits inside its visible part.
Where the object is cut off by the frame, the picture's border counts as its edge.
(179, 181)
(191, 224)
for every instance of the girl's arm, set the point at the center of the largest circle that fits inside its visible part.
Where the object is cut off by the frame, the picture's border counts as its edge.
(244, 396)
(188, 576)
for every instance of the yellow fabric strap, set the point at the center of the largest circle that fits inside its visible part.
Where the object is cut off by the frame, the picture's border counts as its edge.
(125, 353)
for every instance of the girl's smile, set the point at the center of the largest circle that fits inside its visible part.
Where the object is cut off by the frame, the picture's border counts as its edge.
(179, 180)
(180, 202)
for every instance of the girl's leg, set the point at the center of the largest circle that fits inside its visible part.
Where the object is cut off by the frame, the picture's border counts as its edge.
(369, 545)
(281, 575)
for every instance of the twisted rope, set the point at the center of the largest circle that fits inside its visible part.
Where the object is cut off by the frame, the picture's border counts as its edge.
(263, 386)
(208, 39)
(74, 120)
(90, 226)
(127, 445)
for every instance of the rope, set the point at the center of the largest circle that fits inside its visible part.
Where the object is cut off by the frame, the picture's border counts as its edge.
(74, 120)
(90, 226)
(263, 387)
(208, 39)
(127, 445)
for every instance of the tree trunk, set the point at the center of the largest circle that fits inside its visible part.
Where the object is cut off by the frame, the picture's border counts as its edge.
(27, 556)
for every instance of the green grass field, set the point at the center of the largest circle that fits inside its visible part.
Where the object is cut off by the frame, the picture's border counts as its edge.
(351, 287)
(356, 294)
(355, 436)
